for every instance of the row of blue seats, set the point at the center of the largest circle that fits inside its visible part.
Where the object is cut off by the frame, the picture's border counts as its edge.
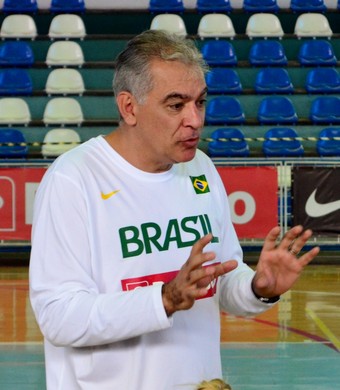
(32, 6)
(223, 142)
(270, 53)
(247, 5)
(220, 110)
(18, 82)
(277, 142)
(215, 52)
(273, 81)
(272, 110)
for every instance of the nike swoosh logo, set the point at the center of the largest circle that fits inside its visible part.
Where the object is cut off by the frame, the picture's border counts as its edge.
(315, 209)
(108, 195)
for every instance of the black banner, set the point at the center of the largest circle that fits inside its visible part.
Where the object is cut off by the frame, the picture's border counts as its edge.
(316, 199)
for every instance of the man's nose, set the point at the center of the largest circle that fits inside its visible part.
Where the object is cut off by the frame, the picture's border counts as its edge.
(194, 117)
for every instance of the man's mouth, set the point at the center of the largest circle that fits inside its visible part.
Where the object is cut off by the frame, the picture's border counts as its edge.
(191, 142)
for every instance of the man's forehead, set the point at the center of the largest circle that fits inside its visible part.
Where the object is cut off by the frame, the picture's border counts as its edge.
(184, 96)
(176, 79)
(159, 66)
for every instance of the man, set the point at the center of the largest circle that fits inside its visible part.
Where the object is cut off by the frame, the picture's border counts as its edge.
(133, 249)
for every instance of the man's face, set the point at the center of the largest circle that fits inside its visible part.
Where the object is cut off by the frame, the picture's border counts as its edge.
(169, 121)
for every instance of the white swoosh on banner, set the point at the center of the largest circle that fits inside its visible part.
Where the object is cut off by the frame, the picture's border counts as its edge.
(315, 209)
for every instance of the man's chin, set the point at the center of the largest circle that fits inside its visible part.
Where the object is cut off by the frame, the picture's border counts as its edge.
(188, 155)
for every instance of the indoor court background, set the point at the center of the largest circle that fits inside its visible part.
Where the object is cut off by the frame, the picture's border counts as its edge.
(296, 344)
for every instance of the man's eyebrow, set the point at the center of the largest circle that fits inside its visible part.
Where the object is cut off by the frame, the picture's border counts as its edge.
(177, 95)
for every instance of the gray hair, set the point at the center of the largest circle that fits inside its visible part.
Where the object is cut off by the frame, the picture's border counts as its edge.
(132, 69)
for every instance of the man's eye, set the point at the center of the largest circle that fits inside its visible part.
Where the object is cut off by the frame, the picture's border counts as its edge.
(176, 106)
(201, 103)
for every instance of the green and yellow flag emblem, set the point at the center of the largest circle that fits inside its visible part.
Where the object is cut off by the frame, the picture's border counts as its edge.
(200, 184)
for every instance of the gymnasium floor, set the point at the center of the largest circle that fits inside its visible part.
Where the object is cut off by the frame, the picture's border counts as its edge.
(294, 346)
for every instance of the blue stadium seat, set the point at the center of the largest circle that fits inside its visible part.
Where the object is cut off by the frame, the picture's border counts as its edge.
(15, 82)
(16, 53)
(223, 81)
(213, 6)
(273, 80)
(20, 6)
(282, 142)
(325, 109)
(277, 110)
(308, 6)
(228, 142)
(267, 53)
(219, 53)
(323, 80)
(9, 136)
(67, 6)
(260, 6)
(328, 144)
(223, 110)
(317, 52)
(166, 6)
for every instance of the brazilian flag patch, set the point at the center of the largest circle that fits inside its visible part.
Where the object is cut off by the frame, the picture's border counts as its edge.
(200, 184)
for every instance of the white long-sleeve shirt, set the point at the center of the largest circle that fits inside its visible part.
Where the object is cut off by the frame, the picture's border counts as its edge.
(105, 237)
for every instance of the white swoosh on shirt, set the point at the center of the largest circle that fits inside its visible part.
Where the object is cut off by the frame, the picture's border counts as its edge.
(315, 209)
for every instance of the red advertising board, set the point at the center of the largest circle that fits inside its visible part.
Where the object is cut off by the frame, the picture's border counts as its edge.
(252, 195)
(253, 199)
(17, 190)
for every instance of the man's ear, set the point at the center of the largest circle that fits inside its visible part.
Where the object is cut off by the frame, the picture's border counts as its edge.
(126, 105)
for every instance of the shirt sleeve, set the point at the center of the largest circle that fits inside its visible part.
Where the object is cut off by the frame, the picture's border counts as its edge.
(68, 306)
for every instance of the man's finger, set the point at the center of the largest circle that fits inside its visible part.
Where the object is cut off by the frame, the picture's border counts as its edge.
(289, 238)
(309, 256)
(201, 244)
(300, 242)
(270, 240)
(197, 257)
(206, 274)
(225, 267)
